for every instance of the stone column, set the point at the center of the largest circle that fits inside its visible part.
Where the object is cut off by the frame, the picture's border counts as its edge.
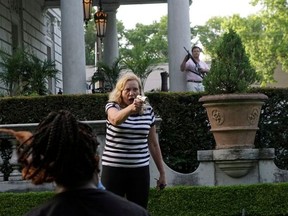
(178, 36)
(73, 47)
(110, 41)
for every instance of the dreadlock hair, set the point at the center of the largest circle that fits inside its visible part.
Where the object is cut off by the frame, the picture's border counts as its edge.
(62, 149)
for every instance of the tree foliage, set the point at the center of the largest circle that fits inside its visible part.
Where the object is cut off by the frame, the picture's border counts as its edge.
(231, 71)
(144, 47)
(264, 36)
(152, 37)
(13, 67)
(108, 74)
(35, 79)
(140, 49)
(274, 38)
(90, 39)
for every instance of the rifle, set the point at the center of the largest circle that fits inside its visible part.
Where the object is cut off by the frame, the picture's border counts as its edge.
(197, 66)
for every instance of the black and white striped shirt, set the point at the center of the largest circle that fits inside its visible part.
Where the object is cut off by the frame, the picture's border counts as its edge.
(127, 143)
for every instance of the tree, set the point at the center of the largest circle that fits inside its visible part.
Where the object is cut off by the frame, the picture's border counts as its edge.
(141, 49)
(209, 34)
(263, 35)
(144, 47)
(153, 37)
(231, 71)
(273, 43)
(140, 62)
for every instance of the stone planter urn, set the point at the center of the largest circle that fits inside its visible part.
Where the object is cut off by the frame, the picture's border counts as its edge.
(234, 122)
(232, 112)
(234, 118)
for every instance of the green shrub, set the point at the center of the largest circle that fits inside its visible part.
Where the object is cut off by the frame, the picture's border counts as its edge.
(16, 204)
(231, 71)
(254, 200)
(184, 128)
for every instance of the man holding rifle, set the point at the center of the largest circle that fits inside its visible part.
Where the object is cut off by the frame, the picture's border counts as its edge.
(195, 70)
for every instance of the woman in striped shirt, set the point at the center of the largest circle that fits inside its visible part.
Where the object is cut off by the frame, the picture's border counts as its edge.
(130, 139)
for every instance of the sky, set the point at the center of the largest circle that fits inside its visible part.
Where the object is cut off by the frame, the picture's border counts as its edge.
(200, 11)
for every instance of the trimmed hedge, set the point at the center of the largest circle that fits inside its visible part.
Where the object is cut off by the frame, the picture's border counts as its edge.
(248, 200)
(184, 128)
(252, 200)
(16, 204)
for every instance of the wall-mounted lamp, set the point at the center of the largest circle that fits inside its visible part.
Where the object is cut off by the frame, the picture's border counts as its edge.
(100, 18)
(87, 7)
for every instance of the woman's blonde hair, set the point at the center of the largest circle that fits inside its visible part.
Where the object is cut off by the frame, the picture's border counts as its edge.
(116, 94)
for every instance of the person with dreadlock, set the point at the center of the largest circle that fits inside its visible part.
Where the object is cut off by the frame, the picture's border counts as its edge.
(64, 150)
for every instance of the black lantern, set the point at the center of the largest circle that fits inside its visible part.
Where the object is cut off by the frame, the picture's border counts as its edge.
(100, 18)
(87, 7)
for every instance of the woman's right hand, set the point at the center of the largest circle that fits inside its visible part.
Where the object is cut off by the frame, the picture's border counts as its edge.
(136, 106)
